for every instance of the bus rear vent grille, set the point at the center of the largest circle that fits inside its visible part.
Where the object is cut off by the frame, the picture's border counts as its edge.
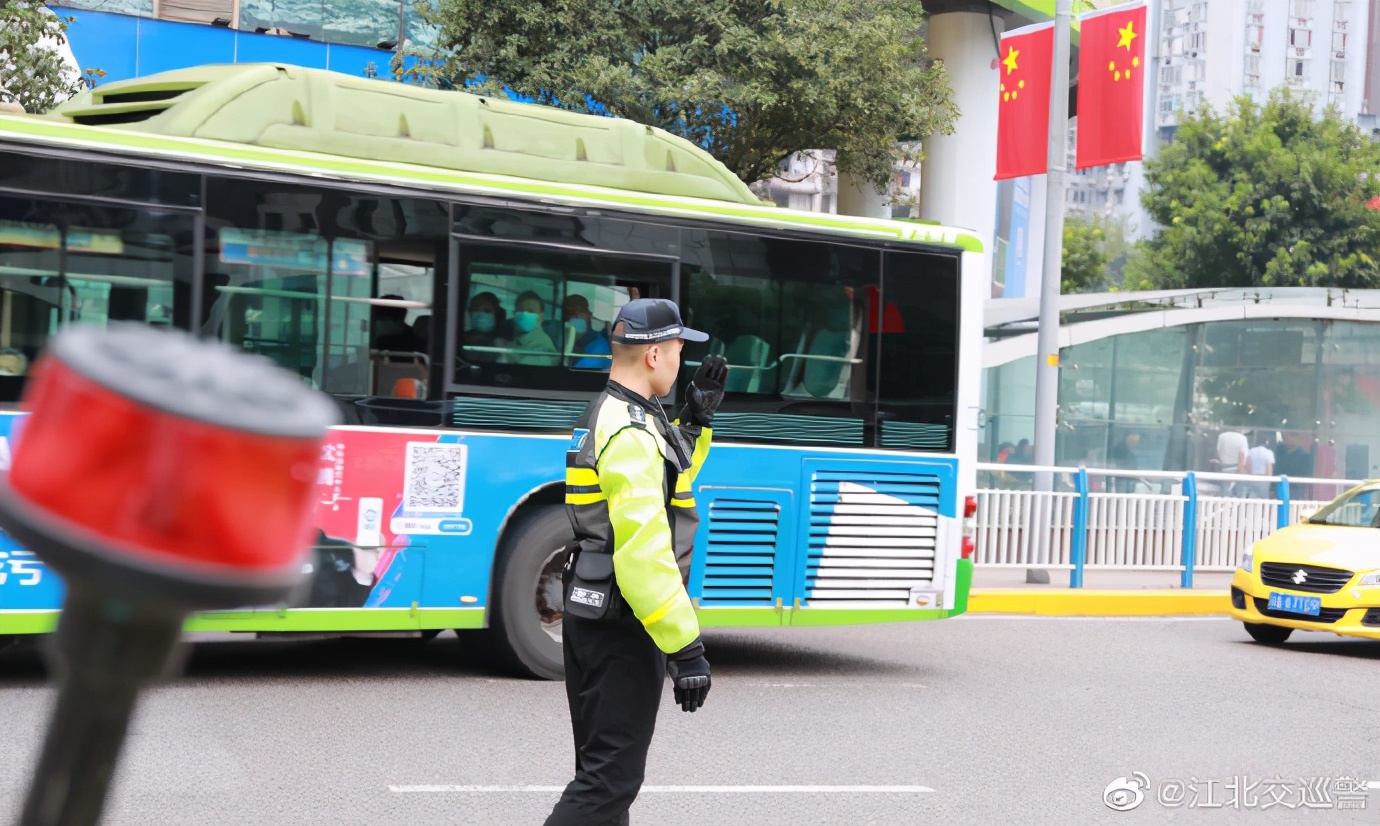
(741, 557)
(873, 537)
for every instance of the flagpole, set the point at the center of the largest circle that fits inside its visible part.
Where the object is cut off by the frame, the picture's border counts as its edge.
(1047, 338)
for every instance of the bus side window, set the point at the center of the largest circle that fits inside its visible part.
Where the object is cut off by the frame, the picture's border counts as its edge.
(326, 284)
(916, 327)
(539, 318)
(64, 262)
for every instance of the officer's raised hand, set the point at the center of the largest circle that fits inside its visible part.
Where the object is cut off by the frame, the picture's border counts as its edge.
(689, 672)
(706, 390)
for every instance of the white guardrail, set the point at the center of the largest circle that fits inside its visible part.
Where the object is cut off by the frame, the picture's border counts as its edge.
(1098, 519)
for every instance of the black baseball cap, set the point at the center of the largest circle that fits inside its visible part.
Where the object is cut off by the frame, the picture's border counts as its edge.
(651, 320)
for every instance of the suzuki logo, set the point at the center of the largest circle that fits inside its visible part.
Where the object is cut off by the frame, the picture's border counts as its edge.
(1300, 576)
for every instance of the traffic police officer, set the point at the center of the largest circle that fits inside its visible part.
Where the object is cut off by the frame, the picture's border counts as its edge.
(628, 621)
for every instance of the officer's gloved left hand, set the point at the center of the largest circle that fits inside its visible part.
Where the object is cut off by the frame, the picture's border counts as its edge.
(689, 672)
(706, 390)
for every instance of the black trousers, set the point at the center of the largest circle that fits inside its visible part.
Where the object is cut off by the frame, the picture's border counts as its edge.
(614, 676)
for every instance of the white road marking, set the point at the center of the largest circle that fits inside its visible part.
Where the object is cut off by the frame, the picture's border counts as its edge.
(446, 788)
(826, 685)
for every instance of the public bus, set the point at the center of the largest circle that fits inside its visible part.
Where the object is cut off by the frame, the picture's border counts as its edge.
(380, 240)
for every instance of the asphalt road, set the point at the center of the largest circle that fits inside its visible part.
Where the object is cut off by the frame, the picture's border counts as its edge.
(1006, 720)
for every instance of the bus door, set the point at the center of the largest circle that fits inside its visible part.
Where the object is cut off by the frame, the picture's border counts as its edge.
(335, 285)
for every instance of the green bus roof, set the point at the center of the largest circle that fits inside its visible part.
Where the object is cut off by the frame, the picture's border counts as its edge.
(311, 121)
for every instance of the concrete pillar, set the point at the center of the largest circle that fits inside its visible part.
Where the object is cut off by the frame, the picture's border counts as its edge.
(956, 179)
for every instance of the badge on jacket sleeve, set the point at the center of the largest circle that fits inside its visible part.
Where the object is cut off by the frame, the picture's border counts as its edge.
(637, 414)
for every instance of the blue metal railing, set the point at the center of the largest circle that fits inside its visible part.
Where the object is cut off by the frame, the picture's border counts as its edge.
(1190, 540)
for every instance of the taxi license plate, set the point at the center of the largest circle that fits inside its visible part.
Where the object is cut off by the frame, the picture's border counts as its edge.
(1291, 604)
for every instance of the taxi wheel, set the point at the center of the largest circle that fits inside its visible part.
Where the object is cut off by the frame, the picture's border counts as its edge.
(524, 633)
(1268, 634)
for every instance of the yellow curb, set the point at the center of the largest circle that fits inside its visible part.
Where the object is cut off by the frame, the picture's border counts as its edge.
(1070, 602)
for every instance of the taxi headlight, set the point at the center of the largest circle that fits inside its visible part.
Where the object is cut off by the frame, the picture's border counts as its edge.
(1246, 562)
(1372, 578)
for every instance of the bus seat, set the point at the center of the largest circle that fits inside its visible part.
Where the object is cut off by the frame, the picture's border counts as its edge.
(829, 379)
(390, 367)
(408, 388)
(421, 330)
(748, 355)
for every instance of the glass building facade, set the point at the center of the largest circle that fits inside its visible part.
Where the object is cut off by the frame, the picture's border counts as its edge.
(1309, 387)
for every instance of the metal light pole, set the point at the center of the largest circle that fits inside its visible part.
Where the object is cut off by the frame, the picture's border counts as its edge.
(1047, 338)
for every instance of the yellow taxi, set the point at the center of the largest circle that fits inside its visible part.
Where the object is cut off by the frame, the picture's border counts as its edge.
(1322, 574)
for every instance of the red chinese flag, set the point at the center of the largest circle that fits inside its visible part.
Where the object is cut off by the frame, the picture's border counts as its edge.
(1026, 63)
(1112, 72)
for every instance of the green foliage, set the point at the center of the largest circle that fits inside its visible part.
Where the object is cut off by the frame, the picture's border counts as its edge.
(1084, 267)
(30, 75)
(750, 80)
(1267, 195)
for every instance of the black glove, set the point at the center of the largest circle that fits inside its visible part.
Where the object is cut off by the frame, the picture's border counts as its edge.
(706, 391)
(689, 672)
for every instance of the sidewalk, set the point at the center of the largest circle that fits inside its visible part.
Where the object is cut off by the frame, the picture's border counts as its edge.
(1104, 593)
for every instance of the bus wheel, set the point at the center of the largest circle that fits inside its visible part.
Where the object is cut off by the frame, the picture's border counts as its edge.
(524, 630)
(8, 642)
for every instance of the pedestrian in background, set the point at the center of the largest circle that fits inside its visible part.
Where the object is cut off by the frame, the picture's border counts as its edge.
(1260, 461)
(1124, 458)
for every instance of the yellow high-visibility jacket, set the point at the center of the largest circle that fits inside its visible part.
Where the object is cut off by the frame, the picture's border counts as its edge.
(628, 483)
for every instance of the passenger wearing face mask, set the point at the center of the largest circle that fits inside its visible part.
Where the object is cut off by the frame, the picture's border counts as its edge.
(531, 343)
(588, 340)
(482, 323)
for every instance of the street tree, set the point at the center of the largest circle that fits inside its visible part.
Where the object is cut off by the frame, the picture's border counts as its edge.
(1271, 194)
(1085, 259)
(752, 81)
(32, 70)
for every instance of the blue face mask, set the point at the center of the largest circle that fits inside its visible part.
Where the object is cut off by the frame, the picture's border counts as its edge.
(526, 322)
(581, 326)
(482, 321)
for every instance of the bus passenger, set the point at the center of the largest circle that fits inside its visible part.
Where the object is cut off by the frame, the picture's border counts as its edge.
(391, 332)
(485, 318)
(531, 342)
(588, 340)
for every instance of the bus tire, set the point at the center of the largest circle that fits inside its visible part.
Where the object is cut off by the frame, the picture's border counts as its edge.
(518, 637)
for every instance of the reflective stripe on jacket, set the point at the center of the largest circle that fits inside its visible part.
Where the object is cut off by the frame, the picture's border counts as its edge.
(629, 493)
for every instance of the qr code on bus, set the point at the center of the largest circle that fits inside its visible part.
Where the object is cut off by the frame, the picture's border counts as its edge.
(434, 481)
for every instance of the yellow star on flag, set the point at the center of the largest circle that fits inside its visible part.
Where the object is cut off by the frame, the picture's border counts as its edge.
(1127, 35)
(1010, 61)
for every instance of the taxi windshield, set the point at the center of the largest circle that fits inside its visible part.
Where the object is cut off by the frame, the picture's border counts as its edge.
(1357, 509)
